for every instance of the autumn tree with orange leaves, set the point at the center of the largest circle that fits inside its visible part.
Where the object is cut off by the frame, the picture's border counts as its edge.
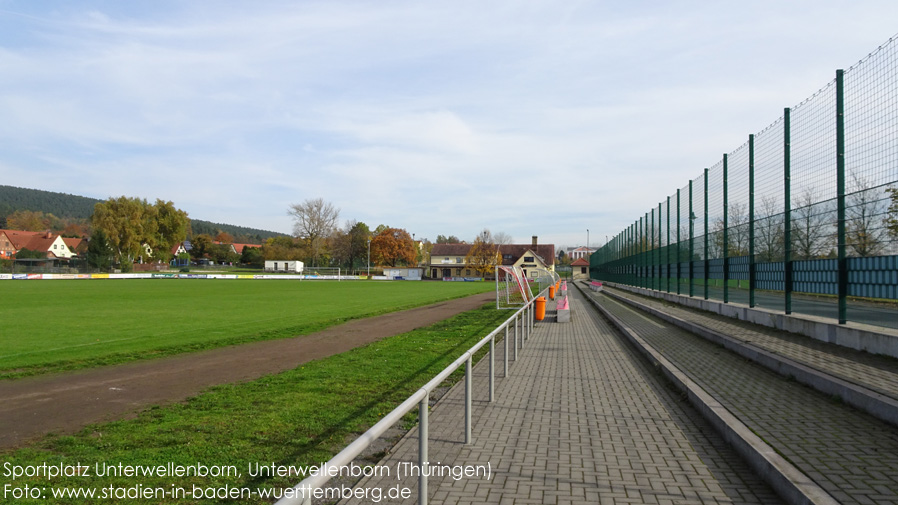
(483, 255)
(393, 247)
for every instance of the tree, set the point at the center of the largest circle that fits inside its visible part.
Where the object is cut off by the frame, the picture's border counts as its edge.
(99, 252)
(502, 238)
(27, 220)
(200, 246)
(25, 253)
(223, 253)
(252, 256)
(129, 223)
(282, 248)
(891, 219)
(425, 251)
(350, 246)
(123, 221)
(314, 221)
(393, 247)
(563, 258)
(770, 231)
(224, 237)
(737, 233)
(451, 239)
(863, 232)
(171, 229)
(809, 240)
(484, 255)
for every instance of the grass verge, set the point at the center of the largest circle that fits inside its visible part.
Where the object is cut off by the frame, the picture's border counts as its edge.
(300, 418)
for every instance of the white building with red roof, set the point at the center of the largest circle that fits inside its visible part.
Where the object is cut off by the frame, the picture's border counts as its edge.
(13, 241)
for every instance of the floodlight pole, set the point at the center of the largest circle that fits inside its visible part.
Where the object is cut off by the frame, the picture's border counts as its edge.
(369, 257)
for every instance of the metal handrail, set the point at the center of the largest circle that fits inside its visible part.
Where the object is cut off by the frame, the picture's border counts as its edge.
(302, 493)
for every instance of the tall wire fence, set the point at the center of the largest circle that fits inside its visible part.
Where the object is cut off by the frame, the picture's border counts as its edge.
(803, 217)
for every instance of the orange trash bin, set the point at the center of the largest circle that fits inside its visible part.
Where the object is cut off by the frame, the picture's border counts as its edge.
(551, 292)
(540, 308)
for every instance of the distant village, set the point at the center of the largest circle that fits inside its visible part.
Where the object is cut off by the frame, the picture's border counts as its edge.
(45, 250)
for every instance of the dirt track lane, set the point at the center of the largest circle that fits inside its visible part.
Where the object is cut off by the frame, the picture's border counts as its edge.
(65, 403)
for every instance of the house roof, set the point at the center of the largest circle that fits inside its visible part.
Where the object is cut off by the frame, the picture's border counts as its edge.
(546, 252)
(73, 243)
(20, 239)
(240, 247)
(580, 262)
(450, 249)
(41, 243)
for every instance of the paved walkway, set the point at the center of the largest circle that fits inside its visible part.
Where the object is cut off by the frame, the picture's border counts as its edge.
(876, 372)
(849, 454)
(580, 419)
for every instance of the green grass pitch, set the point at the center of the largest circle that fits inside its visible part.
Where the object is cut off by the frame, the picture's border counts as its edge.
(56, 325)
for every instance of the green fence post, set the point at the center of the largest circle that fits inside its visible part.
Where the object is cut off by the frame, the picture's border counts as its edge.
(668, 244)
(691, 244)
(646, 278)
(660, 229)
(787, 204)
(630, 255)
(653, 248)
(751, 220)
(726, 238)
(679, 274)
(840, 182)
(643, 249)
(707, 261)
(640, 273)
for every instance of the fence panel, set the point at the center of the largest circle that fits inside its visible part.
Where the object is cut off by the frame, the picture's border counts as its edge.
(808, 206)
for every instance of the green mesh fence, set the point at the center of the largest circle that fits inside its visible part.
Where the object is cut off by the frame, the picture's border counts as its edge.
(803, 217)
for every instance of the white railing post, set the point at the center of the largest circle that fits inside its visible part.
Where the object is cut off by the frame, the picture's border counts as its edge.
(516, 340)
(531, 320)
(492, 368)
(525, 326)
(468, 401)
(505, 373)
(422, 448)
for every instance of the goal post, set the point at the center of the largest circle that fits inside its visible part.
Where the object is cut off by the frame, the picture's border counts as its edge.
(512, 289)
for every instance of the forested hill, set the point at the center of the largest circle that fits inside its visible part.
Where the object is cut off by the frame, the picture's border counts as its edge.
(75, 207)
(58, 204)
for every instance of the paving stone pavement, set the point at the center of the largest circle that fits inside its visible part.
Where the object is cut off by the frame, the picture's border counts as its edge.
(850, 454)
(581, 419)
(876, 372)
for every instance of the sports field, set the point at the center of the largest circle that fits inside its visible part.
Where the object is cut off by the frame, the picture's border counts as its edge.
(55, 325)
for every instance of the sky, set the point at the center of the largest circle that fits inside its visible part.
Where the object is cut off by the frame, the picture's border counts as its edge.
(565, 120)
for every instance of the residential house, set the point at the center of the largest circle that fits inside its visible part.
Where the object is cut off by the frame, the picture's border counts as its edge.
(7, 249)
(448, 260)
(177, 250)
(580, 252)
(12, 241)
(580, 269)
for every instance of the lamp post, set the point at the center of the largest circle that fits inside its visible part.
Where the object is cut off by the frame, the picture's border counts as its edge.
(369, 257)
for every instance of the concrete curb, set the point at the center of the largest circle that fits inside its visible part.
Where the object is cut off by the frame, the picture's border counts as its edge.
(858, 396)
(787, 480)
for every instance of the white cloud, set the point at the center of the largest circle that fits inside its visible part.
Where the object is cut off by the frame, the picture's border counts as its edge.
(539, 118)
